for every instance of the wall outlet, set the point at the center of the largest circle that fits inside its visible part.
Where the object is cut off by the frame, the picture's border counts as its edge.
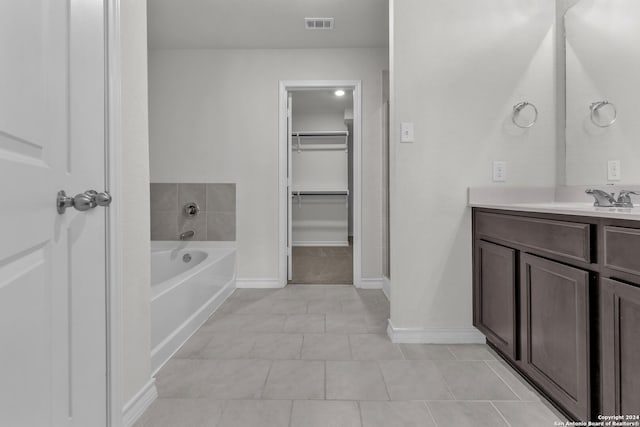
(499, 171)
(613, 170)
(406, 132)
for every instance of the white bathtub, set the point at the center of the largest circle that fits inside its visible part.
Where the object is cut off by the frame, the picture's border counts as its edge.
(184, 293)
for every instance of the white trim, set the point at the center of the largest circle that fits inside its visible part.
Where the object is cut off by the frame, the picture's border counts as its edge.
(260, 283)
(161, 353)
(372, 283)
(113, 184)
(386, 287)
(434, 335)
(312, 243)
(284, 87)
(139, 403)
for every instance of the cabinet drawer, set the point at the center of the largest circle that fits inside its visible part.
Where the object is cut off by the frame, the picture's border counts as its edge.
(568, 239)
(621, 249)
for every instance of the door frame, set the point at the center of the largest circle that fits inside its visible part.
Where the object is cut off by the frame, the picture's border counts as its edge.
(113, 183)
(296, 85)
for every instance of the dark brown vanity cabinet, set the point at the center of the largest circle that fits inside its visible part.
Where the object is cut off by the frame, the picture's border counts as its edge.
(558, 297)
(554, 331)
(532, 290)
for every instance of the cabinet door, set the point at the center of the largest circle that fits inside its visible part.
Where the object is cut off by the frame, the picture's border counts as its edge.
(555, 331)
(495, 296)
(620, 335)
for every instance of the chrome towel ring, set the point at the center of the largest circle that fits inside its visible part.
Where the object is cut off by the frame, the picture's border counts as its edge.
(596, 106)
(516, 111)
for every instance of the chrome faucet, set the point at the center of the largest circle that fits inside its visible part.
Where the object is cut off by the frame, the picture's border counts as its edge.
(604, 199)
(624, 198)
(187, 234)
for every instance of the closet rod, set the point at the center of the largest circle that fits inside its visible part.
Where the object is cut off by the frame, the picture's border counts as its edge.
(321, 133)
(321, 147)
(320, 193)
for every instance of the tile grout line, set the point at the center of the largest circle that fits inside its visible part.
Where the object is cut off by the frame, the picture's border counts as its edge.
(504, 381)
(435, 423)
(225, 404)
(325, 380)
(444, 380)
(384, 380)
(266, 379)
(404, 356)
(500, 413)
(291, 412)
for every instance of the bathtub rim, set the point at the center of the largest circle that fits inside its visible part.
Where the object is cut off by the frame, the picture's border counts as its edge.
(158, 289)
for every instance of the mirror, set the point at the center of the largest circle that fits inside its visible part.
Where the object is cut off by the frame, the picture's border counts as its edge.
(602, 41)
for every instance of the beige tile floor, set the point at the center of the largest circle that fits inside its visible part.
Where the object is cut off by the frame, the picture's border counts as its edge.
(307, 356)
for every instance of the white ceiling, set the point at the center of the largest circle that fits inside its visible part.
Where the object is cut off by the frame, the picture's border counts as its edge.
(321, 102)
(266, 24)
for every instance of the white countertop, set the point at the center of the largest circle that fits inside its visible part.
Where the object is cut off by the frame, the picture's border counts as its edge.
(563, 201)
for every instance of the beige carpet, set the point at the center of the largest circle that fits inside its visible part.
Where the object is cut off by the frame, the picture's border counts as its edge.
(323, 265)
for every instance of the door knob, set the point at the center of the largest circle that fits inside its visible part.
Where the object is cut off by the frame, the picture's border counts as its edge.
(63, 202)
(82, 201)
(103, 199)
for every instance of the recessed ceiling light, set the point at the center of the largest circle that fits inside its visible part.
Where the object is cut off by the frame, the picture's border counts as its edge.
(339, 92)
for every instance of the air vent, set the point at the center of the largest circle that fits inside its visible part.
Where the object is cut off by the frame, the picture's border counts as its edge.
(318, 23)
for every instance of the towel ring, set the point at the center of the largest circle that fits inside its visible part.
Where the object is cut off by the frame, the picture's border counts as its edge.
(521, 106)
(596, 106)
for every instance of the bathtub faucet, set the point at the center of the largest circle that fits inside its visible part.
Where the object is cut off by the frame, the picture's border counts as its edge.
(187, 234)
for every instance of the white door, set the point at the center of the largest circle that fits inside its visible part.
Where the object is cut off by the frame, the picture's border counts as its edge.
(52, 266)
(289, 187)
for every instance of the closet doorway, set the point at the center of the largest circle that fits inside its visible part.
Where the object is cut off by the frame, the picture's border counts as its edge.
(321, 181)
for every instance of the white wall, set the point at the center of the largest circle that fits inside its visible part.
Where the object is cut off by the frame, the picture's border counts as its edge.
(457, 69)
(135, 200)
(214, 118)
(602, 63)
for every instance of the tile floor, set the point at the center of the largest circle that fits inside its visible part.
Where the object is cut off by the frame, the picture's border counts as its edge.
(307, 356)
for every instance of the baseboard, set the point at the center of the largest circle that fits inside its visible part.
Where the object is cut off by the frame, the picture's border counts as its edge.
(434, 335)
(139, 403)
(167, 348)
(386, 287)
(371, 283)
(322, 243)
(258, 283)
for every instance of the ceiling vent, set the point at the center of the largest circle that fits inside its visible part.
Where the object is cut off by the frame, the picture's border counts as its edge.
(318, 23)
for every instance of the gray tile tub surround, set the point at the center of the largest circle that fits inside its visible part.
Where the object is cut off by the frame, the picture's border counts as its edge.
(215, 222)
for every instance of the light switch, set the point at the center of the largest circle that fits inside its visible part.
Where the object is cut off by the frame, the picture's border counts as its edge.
(499, 171)
(613, 170)
(406, 132)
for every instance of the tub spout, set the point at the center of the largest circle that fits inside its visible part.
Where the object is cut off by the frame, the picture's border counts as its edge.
(187, 235)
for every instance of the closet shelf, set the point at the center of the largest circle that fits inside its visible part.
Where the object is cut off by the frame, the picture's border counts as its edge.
(320, 192)
(320, 147)
(314, 133)
(301, 145)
